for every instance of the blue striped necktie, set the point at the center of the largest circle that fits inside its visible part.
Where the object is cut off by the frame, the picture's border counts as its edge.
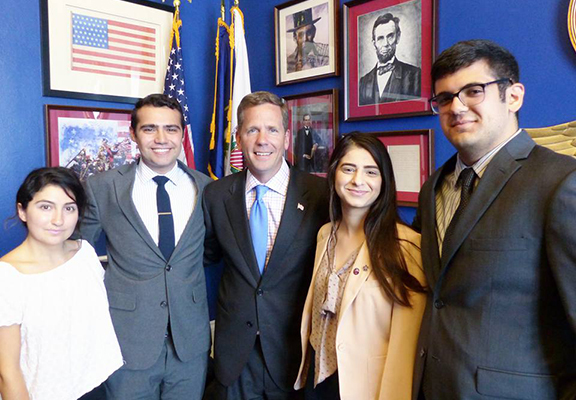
(259, 227)
(166, 240)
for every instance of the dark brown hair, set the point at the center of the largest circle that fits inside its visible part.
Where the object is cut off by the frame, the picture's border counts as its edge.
(382, 239)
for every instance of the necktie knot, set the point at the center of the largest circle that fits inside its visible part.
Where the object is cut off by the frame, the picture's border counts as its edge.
(160, 180)
(466, 177)
(261, 191)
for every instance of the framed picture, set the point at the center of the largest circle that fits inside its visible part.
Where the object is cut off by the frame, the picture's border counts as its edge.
(88, 140)
(109, 50)
(306, 40)
(388, 51)
(313, 129)
(412, 155)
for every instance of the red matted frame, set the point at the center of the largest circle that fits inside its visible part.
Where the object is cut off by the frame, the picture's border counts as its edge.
(412, 154)
(88, 140)
(416, 47)
(323, 109)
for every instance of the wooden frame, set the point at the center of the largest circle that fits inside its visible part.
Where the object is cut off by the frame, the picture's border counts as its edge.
(412, 155)
(401, 62)
(300, 60)
(108, 50)
(88, 140)
(322, 107)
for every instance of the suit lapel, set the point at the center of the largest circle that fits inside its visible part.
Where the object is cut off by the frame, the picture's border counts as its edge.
(189, 225)
(123, 184)
(497, 174)
(429, 235)
(355, 281)
(236, 209)
(295, 210)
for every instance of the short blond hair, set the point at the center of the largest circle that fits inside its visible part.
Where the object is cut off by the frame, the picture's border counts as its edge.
(259, 98)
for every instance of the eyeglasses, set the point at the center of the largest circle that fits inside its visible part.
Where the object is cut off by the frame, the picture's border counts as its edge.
(470, 95)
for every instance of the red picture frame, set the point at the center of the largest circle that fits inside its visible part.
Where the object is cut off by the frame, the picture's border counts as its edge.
(88, 140)
(322, 109)
(412, 154)
(413, 56)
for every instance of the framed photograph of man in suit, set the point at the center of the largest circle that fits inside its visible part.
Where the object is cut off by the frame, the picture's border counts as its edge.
(306, 40)
(388, 52)
(313, 128)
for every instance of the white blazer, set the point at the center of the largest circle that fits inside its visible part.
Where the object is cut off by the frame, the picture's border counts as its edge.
(375, 340)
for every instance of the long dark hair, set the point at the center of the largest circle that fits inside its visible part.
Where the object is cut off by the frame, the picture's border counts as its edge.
(380, 228)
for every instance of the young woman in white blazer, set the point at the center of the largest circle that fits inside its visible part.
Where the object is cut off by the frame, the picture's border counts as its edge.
(363, 311)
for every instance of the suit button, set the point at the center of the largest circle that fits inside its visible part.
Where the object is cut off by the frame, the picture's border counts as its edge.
(249, 324)
(438, 304)
(422, 352)
(168, 268)
(259, 292)
(163, 304)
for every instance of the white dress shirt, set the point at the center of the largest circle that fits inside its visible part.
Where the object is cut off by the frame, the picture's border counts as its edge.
(181, 190)
(385, 77)
(275, 198)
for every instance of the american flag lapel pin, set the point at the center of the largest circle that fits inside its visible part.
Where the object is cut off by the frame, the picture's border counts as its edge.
(300, 207)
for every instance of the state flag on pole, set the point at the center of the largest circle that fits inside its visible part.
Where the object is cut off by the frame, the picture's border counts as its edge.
(222, 102)
(240, 88)
(174, 87)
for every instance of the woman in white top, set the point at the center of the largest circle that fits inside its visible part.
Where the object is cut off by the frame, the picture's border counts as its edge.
(362, 315)
(57, 341)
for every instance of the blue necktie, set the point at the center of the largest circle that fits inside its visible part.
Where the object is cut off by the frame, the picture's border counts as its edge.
(259, 227)
(166, 241)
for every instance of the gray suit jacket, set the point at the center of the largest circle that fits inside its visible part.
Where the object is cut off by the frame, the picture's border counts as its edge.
(272, 303)
(500, 321)
(144, 289)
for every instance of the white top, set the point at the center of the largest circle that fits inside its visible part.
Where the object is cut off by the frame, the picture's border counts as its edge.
(181, 190)
(68, 344)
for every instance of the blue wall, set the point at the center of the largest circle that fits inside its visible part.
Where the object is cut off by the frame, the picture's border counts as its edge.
(534, 30)
(23, 143)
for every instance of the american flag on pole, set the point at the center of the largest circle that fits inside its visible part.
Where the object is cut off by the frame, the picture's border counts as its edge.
(110, 47)
(174, 88)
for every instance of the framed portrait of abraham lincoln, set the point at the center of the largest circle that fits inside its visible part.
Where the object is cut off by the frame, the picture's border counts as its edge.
(389, 47)
(306, 40)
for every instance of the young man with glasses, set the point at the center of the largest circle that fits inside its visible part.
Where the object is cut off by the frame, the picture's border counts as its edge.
(498, 243)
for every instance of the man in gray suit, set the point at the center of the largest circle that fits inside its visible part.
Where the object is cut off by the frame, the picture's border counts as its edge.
(268, 266)
(152, 217)
(498, 243)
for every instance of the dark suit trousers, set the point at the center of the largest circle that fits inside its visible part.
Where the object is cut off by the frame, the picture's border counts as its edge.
(254, 383)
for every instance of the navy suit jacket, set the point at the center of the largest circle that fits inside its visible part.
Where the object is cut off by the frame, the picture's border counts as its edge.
(270, 304)
(500, 321)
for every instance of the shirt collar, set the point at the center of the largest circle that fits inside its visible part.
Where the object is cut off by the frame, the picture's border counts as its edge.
(278, 183)
(146, 174)
(479, 166)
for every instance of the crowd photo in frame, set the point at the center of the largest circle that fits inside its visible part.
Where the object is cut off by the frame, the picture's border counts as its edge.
(89, 140)
(388, 54)
(106, 50)
(313, 129)
(306, 40)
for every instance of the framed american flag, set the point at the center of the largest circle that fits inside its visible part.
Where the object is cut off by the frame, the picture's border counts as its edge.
(109, 50)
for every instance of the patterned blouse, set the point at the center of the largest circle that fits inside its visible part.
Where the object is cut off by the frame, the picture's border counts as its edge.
(328, 290)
